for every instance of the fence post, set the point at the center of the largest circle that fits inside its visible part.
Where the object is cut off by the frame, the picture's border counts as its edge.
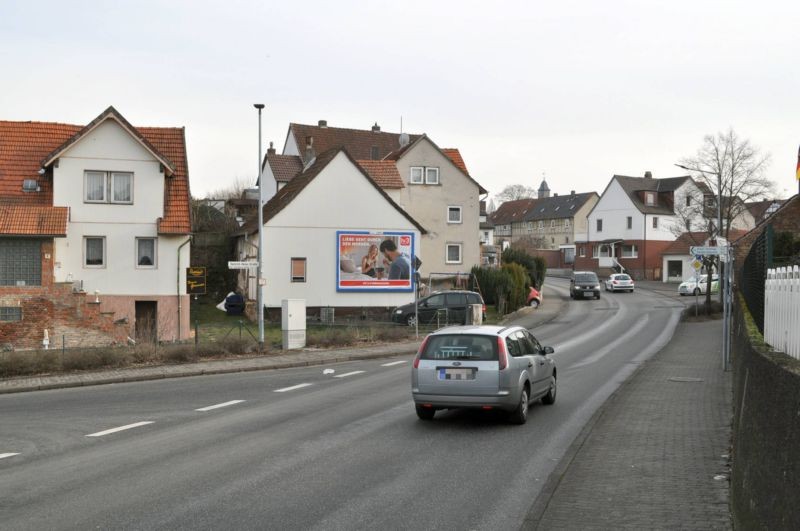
(240, 329)
(196, 334)
(63, 348)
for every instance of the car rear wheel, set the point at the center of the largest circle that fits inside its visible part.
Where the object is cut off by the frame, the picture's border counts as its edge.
(696, 291)
(425, 413)
(550, 398)
(520, 414)
(411, 320)
(534, 303)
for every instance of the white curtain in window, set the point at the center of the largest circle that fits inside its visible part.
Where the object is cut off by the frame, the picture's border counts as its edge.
(123, 187)
(94, 251)
(146, 252)
(95, 186)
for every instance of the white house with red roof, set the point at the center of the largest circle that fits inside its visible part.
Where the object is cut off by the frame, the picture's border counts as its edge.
(94, 232)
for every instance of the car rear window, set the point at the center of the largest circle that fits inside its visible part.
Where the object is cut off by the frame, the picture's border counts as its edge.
(460, 347)
(586, 277)
(474, 298)
(456, 299)
(623, 277)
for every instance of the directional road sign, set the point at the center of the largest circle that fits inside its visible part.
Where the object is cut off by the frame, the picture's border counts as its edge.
(242, 265)
(704, 251)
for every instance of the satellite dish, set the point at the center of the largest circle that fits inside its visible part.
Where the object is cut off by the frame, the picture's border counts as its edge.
(404, 139)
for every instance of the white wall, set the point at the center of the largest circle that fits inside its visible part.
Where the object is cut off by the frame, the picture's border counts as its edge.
(110, 148)
(339, 198)
(613, 208)
(687, 271)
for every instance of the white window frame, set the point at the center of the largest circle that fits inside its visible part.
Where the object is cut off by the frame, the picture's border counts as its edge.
(552, 225)
(566, 224)
(435, 173)
(629, 222)
(85, 253)
(109, 179)
(634, 251)
(582, 251)
(154, 265)
(650, 198)
(599, 224)
(452, 209)
(541, 226)
(447, 253)
(420, 179)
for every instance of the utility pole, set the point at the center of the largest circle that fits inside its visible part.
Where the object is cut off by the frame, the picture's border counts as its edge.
(259, 269)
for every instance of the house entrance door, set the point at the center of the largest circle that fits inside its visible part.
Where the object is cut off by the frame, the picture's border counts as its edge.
(146, 322)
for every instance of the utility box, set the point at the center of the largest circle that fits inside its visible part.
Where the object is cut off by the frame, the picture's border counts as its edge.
(475, 314)
(293, 323)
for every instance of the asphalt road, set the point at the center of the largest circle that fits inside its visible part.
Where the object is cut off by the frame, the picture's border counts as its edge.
(263, 450)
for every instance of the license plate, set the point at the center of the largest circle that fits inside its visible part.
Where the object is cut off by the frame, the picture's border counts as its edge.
(449, 373)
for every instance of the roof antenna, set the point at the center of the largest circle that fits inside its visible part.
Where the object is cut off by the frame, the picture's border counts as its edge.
(404, 138)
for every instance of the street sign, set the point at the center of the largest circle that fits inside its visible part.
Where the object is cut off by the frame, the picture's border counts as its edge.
(704, 251)
(697, 264)
(242, 265)
(196, 280)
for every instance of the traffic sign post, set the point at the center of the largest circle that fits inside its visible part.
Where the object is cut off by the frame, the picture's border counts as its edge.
(705, 251)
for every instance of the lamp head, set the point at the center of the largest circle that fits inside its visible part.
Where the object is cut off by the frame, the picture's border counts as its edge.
(258, 106)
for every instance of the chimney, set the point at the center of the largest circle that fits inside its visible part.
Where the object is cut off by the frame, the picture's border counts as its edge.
(323, 123)
(376, 128)
(572, 192)
(648, 175)
(271, 149)
(555, 195)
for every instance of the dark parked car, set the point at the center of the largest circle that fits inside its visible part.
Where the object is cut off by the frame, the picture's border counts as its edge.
(441, 307)
(584, 284)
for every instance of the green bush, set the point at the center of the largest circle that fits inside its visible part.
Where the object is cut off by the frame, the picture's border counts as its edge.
(518, 289)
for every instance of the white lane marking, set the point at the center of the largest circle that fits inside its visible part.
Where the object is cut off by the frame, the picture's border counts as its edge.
(217, 406)
(393, 363)
(345, 375)
(120, 428)
(292, 388)
(641, 323)
(10, 454)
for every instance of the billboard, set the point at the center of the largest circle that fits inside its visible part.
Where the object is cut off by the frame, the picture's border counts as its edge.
(374, 261)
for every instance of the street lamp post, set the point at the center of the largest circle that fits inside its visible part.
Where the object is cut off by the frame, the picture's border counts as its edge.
(259, 287)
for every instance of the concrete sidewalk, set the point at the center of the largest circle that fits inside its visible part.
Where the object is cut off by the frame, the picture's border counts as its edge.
(528, 317)
(656, 454)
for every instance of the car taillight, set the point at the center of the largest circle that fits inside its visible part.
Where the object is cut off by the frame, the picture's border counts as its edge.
(483, 306)
(502, 355)
(613, 281)
(420, 351)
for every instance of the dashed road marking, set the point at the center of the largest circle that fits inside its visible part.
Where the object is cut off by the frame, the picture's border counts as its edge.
(10, 454)
(292, 388)
(217, 406)
(393, 363)
(345, 375)
(120, 428)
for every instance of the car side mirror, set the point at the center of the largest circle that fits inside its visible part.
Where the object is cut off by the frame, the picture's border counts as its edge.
(548, 350)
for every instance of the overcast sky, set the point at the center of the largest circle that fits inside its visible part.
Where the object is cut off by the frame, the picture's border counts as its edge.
(577, 90)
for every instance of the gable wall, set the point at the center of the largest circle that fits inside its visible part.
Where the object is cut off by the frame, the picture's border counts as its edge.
(428, 205)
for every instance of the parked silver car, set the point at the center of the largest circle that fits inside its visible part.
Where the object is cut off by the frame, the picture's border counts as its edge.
(484, 367)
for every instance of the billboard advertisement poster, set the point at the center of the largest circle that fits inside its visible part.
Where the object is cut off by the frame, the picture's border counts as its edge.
(374, 261)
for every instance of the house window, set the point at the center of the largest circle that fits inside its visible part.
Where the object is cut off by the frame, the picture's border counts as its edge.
(108, 187)
(650, 198)
(454, 214)
(298, 269)
(431, 175)
(655, 222)
(541, 226)
(453, 253)
(146, 252)
(20, 262)
(416, 175)
(688, 200)
(710, 202)
(566, 239)
(566, 224)
(582, 251)
(630, 251)
(10, 313)
(599, 225)
(94, 251)
(374, 154)
(552, 225)
(630, 222)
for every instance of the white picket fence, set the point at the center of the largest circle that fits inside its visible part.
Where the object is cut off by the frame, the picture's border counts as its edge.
(782, 310)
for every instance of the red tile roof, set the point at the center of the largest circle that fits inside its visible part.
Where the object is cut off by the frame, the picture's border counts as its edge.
(513, 211)
(28, 220)
(455, 155)
(358, 142)
(383, 172)
(25, 145)
(284, 167)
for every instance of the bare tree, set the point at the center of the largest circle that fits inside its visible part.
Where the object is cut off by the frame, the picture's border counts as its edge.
(733, 168)
(233, 189)
(513, 192)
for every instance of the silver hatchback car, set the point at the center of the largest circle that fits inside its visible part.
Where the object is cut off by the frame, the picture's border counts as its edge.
(483, 367)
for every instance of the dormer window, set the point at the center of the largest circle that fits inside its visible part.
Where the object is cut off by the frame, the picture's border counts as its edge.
(649, 198)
